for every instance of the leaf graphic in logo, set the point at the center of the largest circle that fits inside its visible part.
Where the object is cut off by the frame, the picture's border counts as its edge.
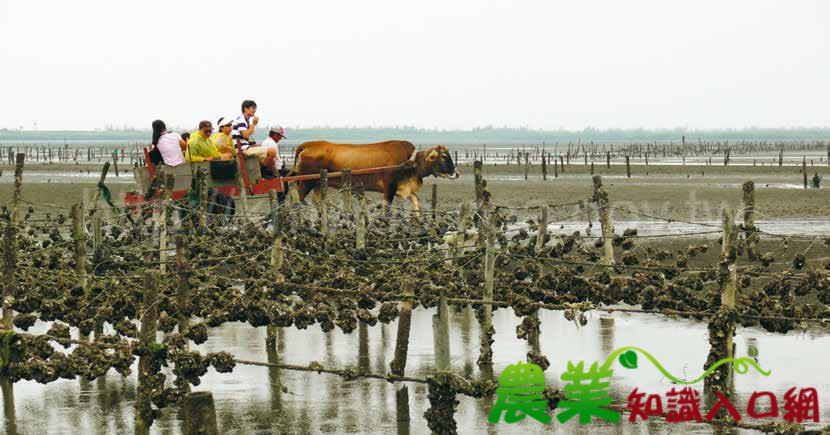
(752, 351)
(629, 359)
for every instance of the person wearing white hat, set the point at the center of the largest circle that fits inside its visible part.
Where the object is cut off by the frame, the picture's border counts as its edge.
(273, 162)
(222, 138)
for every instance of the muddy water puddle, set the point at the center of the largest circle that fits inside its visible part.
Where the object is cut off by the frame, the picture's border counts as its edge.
(266, 400)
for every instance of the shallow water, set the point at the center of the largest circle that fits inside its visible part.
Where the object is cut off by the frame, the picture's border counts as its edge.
(262, 400)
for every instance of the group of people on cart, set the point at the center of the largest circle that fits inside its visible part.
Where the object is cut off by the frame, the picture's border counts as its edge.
(204, 144)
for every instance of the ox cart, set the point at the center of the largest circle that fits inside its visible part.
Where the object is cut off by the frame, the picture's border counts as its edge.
(228, 177)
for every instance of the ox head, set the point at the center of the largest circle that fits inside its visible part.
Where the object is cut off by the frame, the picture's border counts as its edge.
(437, 161)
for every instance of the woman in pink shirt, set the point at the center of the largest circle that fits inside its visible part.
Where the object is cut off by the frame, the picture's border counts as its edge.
(168, 144)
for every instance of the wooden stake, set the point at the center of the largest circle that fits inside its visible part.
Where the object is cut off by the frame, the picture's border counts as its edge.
(199, 414)
(9, 280)
(183, 270)
(749, 221)
(18, 183)
(543, 229)
(277, 257)
(485, 358)
(398, 363)
(441, 334)
(477, 180)
(434, 202)
(627, 167)
(601, 199)
(164, 216)
(544, 168)
(347, 190)
(360, 226)
(324, 216)
(143, 407)
(729, 277)
(804, 170)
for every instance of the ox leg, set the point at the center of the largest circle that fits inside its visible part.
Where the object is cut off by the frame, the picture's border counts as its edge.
(415, 204)
(303, 188)
(389, 195)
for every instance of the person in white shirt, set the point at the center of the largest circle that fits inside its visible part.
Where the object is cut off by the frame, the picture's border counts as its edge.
(273, 161)
(168, 144)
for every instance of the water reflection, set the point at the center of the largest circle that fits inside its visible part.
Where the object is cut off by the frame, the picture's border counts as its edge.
(270, 400)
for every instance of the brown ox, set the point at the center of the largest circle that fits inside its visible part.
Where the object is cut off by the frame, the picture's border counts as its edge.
(312, 157)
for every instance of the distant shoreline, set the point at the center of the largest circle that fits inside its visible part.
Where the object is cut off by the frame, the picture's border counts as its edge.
(494, 136)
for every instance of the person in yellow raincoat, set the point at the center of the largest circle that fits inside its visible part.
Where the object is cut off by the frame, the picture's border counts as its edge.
(200, 148)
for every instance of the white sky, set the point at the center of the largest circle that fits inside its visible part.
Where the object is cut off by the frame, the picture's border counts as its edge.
(447, 63)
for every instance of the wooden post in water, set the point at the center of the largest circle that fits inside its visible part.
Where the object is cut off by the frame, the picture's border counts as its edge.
(79, 238)
(434, 202)
(485, 358)
(398, 364)
(601, 199)
(608, 159)
(183, 271)
(324, 214)
(199, 414)
(276, 260)
(202, 180)
(143, 407)
(164, 220)
(555, 168)
(527, 164)
(477, 179)
(541, 235)
(441, 334)
(804, 170)
(10, 248)
(115, 162)
(544, 168)
(9, 280)
(627, 167)
(729, 285)
(749, 221)
(97, 195)
(18, 184)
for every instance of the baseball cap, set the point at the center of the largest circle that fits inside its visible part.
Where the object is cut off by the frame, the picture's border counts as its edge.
(225, 120)
(278, 129)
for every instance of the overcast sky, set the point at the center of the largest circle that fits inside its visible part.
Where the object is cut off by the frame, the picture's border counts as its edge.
(447, 63)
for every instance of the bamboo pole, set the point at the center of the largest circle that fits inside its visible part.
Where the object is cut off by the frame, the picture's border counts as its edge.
(79, 238)
(601, 199)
